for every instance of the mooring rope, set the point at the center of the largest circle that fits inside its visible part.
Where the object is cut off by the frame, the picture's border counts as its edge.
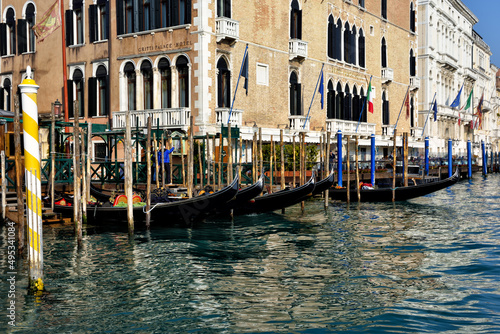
(144, 207)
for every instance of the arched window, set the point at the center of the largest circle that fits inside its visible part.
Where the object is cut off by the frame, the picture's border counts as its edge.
(383, 53)
(384, 9)
(26, 35)
(147, 84)
(362, 3)
(361, 49)
(347, 45)
(364, 105)
(412, 18)
(129, 71)
(295, 21)
(330, 101)
(166, 83)
(10, 33)
(339, 102)
(385, 110)
(6, 95)
(413, 69)
(183, 81)
(102, 91)
(352, 46)
(347, 115)
(356, 106)
(223, 84)
(79, 92)
(295, 90)
(331, 37)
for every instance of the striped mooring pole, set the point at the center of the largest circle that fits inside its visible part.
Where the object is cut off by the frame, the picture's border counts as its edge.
(29, 89)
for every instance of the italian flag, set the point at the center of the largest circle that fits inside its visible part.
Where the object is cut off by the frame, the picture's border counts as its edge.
(369, 98)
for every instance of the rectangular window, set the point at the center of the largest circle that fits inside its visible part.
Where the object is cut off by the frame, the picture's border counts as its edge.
(78, 28)
(100, 151)
(262, 74)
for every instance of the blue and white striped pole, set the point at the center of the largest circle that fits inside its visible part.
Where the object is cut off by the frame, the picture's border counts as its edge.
(485, 158)
(450, 158)
(339, 158)
(427, 156)
(372, 179)
(469, 159)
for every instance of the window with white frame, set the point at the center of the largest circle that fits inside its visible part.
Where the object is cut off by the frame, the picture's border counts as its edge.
(25, 33)
(75, 24)
(99, 93)
(76, 91)
(8, 33)
(99, 21)
(262, 74)
(6, 94)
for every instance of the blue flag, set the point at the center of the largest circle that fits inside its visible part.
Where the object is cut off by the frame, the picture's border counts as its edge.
(321, 89)
(244, 72)
(435, 109)
(456, 102)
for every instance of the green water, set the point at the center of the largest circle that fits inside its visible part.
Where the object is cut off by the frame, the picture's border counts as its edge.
(425, 266)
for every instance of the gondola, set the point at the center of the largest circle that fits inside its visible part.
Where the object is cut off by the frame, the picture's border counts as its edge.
(242, 197)
(162, 214)
(278, 200)
(324, 184)
(401, 193)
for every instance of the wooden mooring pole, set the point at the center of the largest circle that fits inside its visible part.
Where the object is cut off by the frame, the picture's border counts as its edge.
(77, 212)
(394, 166)
(128, 173)
(19, 173)
(327, 165)
(348, 168)
(148, 174)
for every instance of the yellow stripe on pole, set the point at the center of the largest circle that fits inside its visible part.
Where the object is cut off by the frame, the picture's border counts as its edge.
(30, 126)
(31, 163)
(34, 240)
(36, 205)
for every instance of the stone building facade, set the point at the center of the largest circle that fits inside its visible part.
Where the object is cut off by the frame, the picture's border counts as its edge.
(169, 59)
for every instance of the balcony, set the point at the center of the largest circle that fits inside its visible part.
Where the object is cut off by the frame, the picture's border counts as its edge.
(297, 49)
(349, 127)
(486, 104)
(414, 83)
(470, 74)
(446, 112)
(226, 28)
(416, 132)
(173, 118)
(297, 123)
(387, 130)
(387, 74)
(222, 114)
(447, 61)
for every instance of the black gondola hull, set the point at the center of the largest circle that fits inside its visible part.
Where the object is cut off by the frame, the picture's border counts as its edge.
(401, 193)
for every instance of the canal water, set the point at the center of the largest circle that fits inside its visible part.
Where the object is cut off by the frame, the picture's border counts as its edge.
(429, 265)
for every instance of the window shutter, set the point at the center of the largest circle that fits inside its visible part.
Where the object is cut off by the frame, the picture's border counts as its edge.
(119, 16)
(299, 99)
(82, 111)
(21, 39)
(299, 24)
(140, 16)
(2, 102)
(136, 16)
(92, 23)
(106, 36)
(92, 100)
(3, 38)
(106, 96)
(69, 27)
(187, 19)
(70, 98)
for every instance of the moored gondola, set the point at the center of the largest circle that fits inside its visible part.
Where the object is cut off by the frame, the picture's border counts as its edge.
(278, 200)
(324, 184)
(162, 214)
(401, 193)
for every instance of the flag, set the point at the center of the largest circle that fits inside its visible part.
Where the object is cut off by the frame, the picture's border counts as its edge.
(407, 104)
(469, 100)
(50, 21)
(369, 97)
(479, 112)
(244, 72)
(456, 102)
(459, 118)
(321, 89)
(435, 109)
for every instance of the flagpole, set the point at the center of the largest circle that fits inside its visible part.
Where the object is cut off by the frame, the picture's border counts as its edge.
(433, 99)
(406, 96)
(237, 83)
(307, 117)
(363, 106)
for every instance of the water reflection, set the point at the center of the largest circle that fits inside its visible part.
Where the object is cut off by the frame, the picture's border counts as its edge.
(428, 265)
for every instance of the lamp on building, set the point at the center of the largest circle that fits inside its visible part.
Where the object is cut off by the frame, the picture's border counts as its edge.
(286, 127)
(57, 108)
(255, 128)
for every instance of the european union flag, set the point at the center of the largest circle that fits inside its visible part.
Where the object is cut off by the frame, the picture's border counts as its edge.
(435, 109)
